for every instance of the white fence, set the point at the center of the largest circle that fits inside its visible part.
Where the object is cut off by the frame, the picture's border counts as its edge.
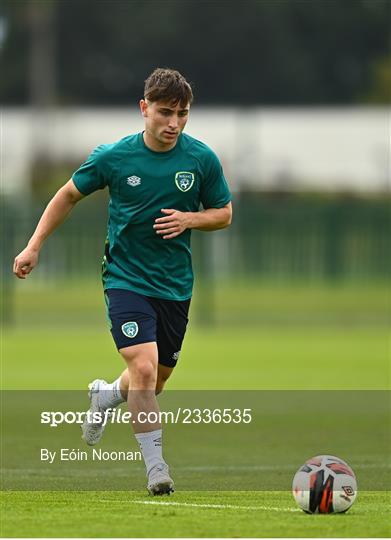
(316, 148)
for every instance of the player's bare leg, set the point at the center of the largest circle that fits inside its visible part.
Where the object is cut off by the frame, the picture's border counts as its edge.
(142, 362)
(163, 373)
(104, 395)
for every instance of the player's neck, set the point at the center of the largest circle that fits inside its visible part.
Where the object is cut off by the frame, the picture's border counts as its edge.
(157, 146)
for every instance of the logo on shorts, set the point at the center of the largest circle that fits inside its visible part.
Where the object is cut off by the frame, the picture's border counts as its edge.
(175, 356)
(184, 180)
(133, 180)
(130, 329)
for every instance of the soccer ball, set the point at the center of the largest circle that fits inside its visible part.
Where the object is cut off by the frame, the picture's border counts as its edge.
(324, 485)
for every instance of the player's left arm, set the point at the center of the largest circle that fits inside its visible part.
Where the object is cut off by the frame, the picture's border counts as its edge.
(175, 222)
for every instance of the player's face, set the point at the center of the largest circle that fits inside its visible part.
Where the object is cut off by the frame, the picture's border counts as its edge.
(164, 123)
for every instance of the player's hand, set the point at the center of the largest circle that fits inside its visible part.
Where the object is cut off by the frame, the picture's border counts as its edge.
(173, 224)
(25, 262)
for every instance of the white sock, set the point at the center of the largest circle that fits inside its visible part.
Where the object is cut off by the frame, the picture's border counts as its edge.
(110, 395)
(151, 447)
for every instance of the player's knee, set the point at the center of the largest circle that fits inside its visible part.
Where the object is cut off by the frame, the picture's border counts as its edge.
(143, 370)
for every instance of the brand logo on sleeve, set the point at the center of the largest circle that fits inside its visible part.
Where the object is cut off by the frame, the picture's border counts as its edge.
(130, 329)
(184, 180)
(133, 180)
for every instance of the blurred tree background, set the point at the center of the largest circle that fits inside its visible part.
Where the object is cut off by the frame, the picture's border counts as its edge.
(268, 52)
(69, 55)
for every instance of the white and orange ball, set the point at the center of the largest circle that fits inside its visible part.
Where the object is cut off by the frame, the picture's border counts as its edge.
(324, 485)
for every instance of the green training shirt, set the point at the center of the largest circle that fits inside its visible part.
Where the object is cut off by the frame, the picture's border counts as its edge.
(141, 182)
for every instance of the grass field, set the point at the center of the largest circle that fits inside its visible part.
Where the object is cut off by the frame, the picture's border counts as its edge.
(202, 514)
(271, 337)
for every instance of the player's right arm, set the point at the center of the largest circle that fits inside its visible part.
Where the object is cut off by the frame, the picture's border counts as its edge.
(54, 214)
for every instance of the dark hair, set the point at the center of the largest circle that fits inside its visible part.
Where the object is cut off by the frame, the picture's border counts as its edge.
(168, 85)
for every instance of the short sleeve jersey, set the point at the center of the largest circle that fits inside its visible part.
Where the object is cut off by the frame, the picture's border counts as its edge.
(141, 182)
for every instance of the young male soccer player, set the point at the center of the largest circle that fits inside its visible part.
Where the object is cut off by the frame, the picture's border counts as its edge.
(157, 181)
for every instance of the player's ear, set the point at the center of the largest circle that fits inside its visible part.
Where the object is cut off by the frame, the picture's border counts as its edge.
(143, 107)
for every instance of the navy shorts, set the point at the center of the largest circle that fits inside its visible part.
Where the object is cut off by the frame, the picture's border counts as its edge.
(136, 318)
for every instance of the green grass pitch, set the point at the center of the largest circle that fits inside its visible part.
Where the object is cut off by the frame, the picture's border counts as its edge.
(187, 514)
(264, 338)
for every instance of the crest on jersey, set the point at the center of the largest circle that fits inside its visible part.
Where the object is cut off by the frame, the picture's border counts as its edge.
(184, 180)
(133, 180)
(130, 329)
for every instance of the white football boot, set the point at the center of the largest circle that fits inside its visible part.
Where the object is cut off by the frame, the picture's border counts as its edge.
(92, 432)
(159, 481)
